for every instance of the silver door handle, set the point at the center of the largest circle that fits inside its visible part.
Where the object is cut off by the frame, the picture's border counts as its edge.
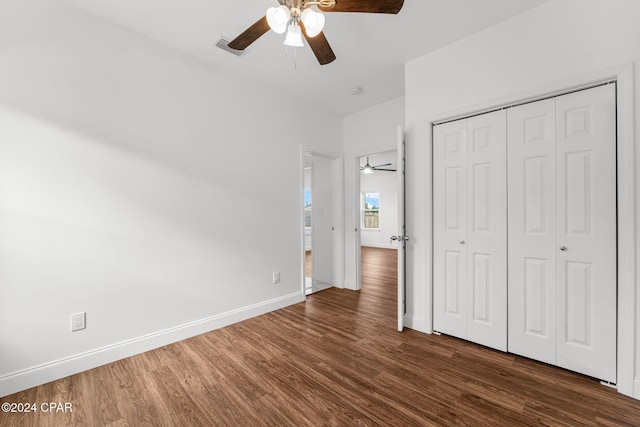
(462, 242)
(563, 248)
(399, 238)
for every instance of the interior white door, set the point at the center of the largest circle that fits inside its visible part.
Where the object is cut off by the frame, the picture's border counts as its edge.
(402, 234)
(450, 228)
(586, 238)
(470, 240)
(487, 229)
(531, 140)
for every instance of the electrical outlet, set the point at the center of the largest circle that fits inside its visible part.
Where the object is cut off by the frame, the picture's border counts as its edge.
(78, 321)
(276, 277)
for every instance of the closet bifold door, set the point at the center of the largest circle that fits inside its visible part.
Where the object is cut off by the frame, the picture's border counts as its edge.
(487, 229)
(450, 228)
(586, 238)
(531, 130)
(562, 231)
(470, 252)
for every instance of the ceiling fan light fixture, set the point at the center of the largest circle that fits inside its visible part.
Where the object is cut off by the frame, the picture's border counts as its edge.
(367, 169)
(278, 18)
(313, 22)
(294, 36)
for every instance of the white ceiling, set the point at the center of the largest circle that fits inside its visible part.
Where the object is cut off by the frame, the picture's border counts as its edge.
(371, 49)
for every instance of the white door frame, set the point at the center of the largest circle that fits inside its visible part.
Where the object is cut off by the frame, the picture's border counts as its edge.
(627, 382)
(337, 191)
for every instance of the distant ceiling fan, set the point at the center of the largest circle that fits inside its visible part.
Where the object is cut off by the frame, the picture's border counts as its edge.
(297, 18)
(367, 168)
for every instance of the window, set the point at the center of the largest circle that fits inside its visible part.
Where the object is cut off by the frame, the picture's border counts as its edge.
(307, 208)
(370, 210)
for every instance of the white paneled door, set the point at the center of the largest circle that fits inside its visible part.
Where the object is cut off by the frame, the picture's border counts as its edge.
(450, 228)
(531, 135)
(470, 241)
(562, 231)
(586, 203)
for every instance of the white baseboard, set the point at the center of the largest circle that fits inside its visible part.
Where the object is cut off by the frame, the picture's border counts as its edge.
(51, 371)
(636, 387)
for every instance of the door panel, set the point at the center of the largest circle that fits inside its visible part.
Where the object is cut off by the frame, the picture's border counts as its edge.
(536, 299)
(532, 230)
(577, 315)
(450, 219)
(481, 288)
(480, 197)
(536, 197)
(454, 278)
(487, 229)
(453, 199)
(586, 203)
(578, 203)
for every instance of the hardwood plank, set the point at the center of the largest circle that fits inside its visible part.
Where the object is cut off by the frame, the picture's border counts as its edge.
(336, 360)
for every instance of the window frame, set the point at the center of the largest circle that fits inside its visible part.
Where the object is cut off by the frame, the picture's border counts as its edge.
(364, 210)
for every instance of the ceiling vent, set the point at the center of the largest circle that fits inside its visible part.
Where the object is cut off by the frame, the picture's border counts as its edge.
(223, 44)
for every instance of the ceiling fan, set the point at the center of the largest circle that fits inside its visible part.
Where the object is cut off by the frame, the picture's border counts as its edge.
(367, 168)
(297, 18)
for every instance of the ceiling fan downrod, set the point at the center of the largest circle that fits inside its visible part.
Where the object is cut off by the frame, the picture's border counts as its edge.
(303, 4)
(323, 3)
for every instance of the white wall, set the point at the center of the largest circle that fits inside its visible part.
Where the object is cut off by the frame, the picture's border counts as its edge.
(129, 178)
(386, 184)
(371, 130)
(544, 48)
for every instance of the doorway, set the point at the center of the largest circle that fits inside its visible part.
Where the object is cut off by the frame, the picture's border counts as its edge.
(319, 222)
(378, 219)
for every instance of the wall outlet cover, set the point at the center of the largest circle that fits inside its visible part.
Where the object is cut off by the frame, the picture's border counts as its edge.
(78, 321)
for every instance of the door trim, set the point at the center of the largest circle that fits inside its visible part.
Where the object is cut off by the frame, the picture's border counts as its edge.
(627, 256)
(627, 381)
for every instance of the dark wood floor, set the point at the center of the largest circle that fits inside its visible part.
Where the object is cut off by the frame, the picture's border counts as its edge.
(379, 267)
(336, 360)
